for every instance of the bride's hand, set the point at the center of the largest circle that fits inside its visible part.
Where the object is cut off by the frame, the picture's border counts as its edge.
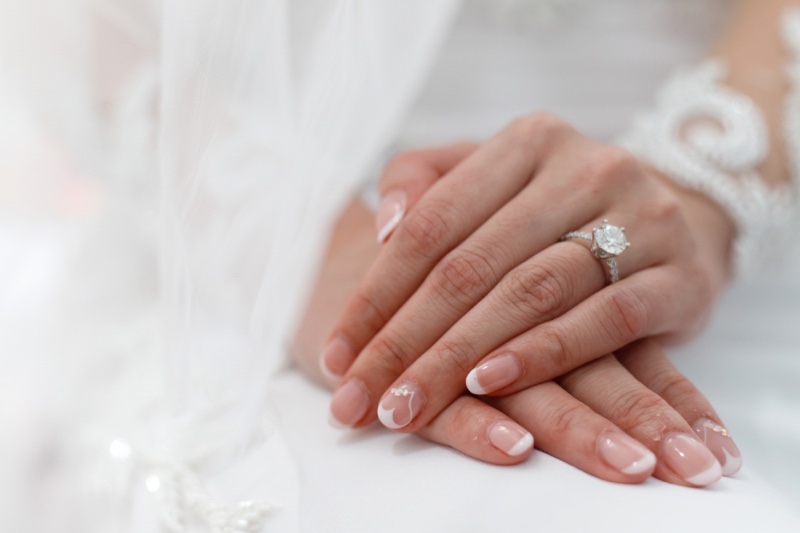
(583, 418)
(474, 280)
(618, 418)
(592, 418)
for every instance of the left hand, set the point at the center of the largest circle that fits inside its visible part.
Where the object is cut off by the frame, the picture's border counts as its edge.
(474, 275)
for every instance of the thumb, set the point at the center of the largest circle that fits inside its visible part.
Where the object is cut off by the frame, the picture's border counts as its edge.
(408, 176)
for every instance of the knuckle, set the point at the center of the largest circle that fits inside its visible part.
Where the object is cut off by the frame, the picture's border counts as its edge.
(554, 349)
(463, 421)
(455, 356)
(562, 419)
(389, 356)
(629, 315)
(666, 209)
(675, 386)
(424, 230)
(537, 124)
(612, 165)
(462, 418)
(633, 410)
(464, 276)
(365, 311)
(535, 289)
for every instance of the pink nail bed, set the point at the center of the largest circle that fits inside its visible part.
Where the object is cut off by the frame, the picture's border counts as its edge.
(336, 358)
(390, 213)
(510, 438)
(720, 443)
(494, 374)
(690, 459)
(350, 403)
(400, 406)
(625, 454)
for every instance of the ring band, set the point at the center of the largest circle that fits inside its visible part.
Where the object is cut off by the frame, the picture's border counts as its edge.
(607, 243)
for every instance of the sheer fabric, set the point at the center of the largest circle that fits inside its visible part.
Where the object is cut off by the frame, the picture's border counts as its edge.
(224, 137)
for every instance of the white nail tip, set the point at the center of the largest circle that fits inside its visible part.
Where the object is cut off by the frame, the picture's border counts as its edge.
(732, 464)
(390, 225)
(386, 416)
(707, 476)
(330, 376)
(645, 464)
(472, 383)
(521, 446)
(334, 422)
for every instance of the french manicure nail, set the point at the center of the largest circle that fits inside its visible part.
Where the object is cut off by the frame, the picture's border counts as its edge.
(494, 374)
(336, 358)
(390, 213)
(400, 406)
(717, 439)
(510, 438)
(690, 459)
(349, 404)
(625, 453)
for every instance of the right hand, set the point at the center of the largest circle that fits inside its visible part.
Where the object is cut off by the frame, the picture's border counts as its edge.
(647, 423)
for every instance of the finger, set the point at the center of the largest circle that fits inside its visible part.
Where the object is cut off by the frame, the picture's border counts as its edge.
(539, 290)
(439, 374)
(569, 430)
(642, 305)
(611, 391)
(405, 179)
(451, 210)
(480, 431)
(470, 271)
(656, 372)
(408, 175)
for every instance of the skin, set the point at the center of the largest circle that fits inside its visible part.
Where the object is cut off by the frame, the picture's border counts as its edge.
(575, 410)
(475, 274)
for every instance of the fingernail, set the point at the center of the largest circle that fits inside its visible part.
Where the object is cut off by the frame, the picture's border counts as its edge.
(390, 212)
(400, 406)
(510, 438)
(717, 439)
(494, 374)
(349, 404)
(625, 453)
(336, 358)
(690, 459)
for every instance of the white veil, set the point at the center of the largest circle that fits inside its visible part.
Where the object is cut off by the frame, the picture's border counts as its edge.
(223, 136)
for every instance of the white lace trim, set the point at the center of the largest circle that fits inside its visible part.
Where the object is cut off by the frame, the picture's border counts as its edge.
(709, 138)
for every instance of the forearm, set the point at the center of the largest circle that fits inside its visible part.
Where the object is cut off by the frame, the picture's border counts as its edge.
(722, 129)
(757, 57)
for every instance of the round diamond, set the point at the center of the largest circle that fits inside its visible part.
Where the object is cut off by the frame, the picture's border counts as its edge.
(610, 239)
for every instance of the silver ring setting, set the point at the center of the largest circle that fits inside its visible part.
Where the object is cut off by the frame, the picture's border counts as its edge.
(607, 243)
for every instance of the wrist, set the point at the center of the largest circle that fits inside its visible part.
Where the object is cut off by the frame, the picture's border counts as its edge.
(713, 229)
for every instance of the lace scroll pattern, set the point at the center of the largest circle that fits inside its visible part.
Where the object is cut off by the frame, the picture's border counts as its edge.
(709, 138)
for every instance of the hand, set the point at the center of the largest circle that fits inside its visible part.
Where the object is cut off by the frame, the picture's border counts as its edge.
(474, 276)
(564, 416)
(611, 418)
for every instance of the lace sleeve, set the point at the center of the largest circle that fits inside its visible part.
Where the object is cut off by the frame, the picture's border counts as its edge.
(709, 137)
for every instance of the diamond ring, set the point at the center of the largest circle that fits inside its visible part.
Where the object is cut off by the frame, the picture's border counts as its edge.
(607, 242)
